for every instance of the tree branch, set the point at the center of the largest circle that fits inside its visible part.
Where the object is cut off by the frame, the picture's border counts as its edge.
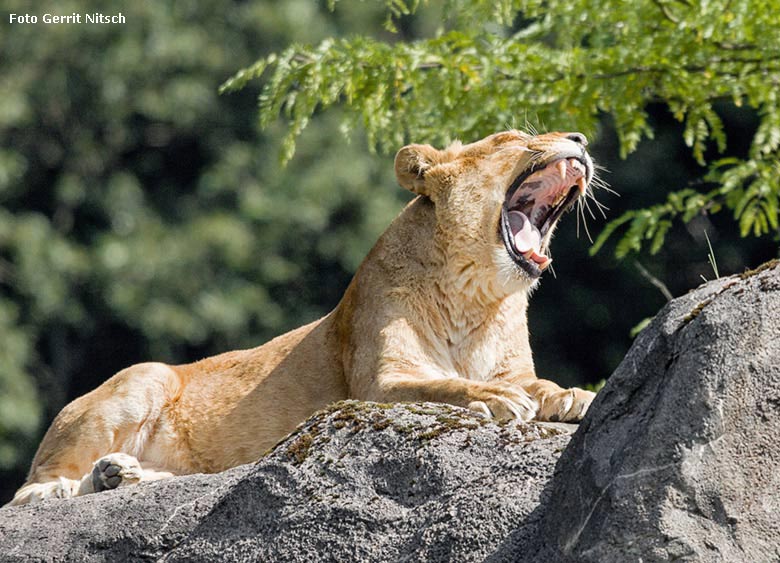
(654, 280)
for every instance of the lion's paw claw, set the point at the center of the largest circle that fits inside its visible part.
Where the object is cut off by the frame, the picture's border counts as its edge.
(568, 405)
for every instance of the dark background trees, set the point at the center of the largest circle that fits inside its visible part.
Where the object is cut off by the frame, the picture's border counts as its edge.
(144, 216)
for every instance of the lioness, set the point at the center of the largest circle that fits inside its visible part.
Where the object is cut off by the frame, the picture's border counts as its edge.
(436, 312)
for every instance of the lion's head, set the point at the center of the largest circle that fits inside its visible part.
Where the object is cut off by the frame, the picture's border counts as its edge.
(498, 200)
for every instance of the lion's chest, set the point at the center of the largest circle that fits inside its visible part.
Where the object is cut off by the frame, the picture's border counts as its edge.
(477, 362)
(490, 346)
(472, 358)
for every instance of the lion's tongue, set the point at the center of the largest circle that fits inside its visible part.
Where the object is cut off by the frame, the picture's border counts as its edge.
(527, 238)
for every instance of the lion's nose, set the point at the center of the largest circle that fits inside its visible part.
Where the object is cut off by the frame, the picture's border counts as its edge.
(578, 138)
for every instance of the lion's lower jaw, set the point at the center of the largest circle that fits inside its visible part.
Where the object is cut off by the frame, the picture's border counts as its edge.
(509, 277)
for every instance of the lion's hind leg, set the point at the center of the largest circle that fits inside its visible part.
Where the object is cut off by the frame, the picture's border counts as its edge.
(109, 472)
(95, 443)
(61, 487)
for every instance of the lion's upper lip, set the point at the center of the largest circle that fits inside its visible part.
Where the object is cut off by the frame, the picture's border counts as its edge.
(535, 201)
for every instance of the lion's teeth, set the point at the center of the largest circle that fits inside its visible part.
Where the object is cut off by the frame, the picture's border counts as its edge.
(529, 254)
(561, 167)
(582, 183)
(543, 265)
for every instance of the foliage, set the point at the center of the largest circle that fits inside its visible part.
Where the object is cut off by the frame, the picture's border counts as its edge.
(562, 64)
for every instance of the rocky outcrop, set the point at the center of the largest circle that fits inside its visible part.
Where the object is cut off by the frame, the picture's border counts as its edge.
(358, 482)
(678, 459)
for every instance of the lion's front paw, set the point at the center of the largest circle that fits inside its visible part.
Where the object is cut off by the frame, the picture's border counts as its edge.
(115, 470)
(505, 402)
(566, 405)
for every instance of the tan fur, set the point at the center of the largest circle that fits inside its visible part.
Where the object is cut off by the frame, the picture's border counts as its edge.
(436, 312)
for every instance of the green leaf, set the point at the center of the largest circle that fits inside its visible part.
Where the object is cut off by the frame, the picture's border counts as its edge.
(609, 229)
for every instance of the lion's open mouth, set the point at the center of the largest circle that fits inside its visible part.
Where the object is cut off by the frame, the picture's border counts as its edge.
(534, 203)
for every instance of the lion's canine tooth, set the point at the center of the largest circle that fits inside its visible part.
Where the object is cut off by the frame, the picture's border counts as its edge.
(527, 255)
(543, 265)
(561, 166)
(582, 183)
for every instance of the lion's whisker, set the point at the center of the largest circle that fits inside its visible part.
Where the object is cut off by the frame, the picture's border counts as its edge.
(581, 209)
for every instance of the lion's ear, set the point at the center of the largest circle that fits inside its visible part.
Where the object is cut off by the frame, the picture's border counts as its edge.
(411, 164)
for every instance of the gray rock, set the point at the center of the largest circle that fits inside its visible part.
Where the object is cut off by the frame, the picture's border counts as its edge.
(679, 457)
(360, 481)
